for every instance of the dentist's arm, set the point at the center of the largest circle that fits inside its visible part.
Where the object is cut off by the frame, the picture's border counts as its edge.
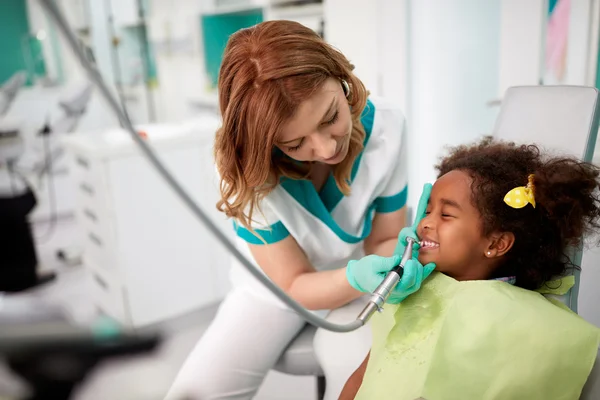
(384, 233)
(288, 267)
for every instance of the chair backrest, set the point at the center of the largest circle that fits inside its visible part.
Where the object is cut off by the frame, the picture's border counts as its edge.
(557, 118)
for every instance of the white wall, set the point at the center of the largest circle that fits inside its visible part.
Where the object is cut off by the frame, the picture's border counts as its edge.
(352, 27)
(393, 50)
(578, 44)
(374, 37)
(521, 43)
(453, 73)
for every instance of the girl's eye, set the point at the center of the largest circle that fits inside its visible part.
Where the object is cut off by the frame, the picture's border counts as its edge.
(446, 215)
(296, 147)
(334, 119)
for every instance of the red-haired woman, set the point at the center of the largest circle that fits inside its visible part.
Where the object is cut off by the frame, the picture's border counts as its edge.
(313, 173)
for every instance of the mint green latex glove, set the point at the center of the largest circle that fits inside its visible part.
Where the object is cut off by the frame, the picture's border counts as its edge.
(367, 273)
(413, 276)
(411, 231)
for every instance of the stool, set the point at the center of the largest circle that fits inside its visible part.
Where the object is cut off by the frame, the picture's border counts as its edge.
(299, 359)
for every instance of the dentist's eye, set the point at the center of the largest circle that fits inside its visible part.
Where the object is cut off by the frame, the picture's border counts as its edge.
(334, 119)
(296, 147)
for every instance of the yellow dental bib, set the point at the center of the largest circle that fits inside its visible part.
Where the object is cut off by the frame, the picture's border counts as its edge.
(478, 340)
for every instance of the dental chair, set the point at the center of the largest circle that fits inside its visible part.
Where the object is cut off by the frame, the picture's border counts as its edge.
(560, 118)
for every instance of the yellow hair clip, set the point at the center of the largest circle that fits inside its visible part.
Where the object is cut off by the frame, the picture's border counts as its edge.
(520, 196)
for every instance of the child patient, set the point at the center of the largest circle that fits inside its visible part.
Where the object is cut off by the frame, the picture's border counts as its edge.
(498, 226)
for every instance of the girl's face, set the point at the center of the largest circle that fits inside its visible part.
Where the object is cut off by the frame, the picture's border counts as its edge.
(320, 130)
(452, 230)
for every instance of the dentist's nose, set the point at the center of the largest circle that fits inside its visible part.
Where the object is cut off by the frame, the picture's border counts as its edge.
(324, 146)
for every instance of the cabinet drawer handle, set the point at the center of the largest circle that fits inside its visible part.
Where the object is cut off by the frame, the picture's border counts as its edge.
(95, 239)
(82, 162)
(87, 188)
(101, 282)
(90, 214)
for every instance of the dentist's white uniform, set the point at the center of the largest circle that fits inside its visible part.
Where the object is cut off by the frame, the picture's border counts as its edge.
(252, 326)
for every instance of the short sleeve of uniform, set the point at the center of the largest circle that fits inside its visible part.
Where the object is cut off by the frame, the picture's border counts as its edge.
(266, 226)
(395, 193)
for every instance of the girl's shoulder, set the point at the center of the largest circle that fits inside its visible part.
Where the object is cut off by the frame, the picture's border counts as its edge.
(524, 310)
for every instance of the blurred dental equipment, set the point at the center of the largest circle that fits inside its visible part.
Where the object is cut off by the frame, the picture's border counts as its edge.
(73, 109)
(8, 91)
(53, 356)
(22, 172)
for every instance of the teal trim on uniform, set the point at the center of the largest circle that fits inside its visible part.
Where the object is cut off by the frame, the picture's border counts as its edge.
(304, 192)
(393, 203)
(276, 233)
(330, 194)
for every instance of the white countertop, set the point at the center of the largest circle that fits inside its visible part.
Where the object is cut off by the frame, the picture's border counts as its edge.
(117, 142)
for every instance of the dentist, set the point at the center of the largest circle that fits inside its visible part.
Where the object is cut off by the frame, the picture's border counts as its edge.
(314, 175)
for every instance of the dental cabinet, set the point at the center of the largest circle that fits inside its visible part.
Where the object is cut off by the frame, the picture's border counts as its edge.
(149, 258)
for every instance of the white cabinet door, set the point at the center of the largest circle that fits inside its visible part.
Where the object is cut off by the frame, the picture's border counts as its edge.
(169, 261)
(76, 12)
(125, 12)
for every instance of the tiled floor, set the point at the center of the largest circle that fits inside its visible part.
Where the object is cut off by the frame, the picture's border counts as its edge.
(139, 378)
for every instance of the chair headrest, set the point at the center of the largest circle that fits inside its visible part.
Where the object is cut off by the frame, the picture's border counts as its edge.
(561, 118)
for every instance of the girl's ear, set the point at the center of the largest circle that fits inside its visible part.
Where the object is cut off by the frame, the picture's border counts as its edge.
(500, 244)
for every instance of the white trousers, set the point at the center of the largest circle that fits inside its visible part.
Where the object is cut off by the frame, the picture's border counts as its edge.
(245, 341)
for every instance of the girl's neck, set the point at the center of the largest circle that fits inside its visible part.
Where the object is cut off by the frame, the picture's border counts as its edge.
(478, 271)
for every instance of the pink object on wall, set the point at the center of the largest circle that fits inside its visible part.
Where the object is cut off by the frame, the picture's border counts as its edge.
(557, 38)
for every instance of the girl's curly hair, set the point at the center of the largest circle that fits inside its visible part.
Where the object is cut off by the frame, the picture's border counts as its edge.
(567, 204)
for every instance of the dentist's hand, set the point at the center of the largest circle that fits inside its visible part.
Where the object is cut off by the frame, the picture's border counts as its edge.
(367, 273)
(412, 278)
(411, 231)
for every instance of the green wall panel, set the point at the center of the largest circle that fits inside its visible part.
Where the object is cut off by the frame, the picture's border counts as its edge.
(216, 29)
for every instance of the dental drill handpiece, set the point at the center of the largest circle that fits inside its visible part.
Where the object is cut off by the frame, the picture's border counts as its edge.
(383, 291)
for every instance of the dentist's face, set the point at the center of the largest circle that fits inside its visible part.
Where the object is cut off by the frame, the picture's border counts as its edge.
(320, 130)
